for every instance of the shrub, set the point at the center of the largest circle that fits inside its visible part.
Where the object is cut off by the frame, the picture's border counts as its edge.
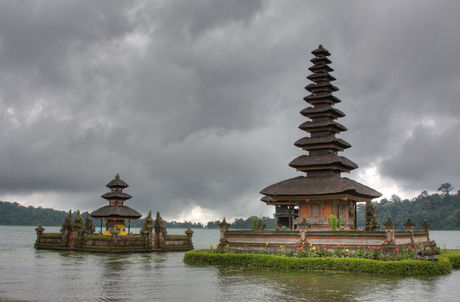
(403, 267)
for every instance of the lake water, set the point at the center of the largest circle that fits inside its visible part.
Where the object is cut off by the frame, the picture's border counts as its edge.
(38, 275)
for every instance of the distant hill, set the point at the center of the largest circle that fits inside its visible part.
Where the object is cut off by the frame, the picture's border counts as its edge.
(16, 214)
(442, 211)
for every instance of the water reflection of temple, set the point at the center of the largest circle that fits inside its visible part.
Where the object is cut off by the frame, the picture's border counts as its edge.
(116, 213)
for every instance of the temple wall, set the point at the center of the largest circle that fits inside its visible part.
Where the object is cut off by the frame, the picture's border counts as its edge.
(303, 210)
(327, 211)
(113, 244)
(272, 241)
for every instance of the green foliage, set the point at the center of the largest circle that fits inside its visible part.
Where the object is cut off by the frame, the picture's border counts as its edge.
(404, 267)
(257, 223)
(335, 222)
(442, 211)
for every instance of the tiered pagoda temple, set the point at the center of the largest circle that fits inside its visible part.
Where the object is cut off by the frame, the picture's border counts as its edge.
(116, 213)
(322, 192)
(76, 236)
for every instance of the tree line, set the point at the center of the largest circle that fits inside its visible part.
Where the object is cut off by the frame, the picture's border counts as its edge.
(441, 210)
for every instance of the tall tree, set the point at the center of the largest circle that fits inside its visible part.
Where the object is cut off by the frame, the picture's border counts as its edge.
(445, 188)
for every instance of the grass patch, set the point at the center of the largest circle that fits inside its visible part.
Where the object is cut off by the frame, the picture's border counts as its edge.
(402, 267)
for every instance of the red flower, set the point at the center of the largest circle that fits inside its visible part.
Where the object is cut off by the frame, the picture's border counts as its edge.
(338, 245)
(373, 247)
(359, 246)
(325, 249)
(397, 250)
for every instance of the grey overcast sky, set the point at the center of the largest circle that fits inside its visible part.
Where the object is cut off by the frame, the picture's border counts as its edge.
(196, 103)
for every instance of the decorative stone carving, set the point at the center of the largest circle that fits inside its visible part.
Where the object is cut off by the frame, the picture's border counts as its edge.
(425, 226)
(223, 226)
(372, 221)
(89, 227)
(303, 228)
(39, 231)
(409, 225)
(390, 228)
(67, 228)
(427, 249)
(315, 212)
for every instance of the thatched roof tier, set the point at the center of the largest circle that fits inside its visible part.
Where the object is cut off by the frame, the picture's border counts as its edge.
(321, 97)
(322, 142)
(319, 186)
(116, 212)
(320, 67)
(321, 86)
(321, 52)
(322, 125)
(322, 111)
(116, 195)
(320, 60)
(318, 162)
(117, 183)
(320, 76)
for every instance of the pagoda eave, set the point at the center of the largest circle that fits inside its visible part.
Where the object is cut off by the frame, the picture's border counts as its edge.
(294, 199)
(319, 186)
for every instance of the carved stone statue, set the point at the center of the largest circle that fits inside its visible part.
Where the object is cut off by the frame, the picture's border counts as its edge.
(67, 228)
(372, 221)
(89, 227)
(427, 249)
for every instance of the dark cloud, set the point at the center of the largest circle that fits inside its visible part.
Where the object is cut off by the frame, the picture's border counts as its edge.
(196, 104)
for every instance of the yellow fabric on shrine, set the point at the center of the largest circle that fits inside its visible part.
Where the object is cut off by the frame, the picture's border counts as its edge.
(120, 226)
(123, 233)
(107, 233)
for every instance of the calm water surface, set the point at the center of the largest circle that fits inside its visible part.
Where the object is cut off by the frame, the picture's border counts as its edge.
(37, 275)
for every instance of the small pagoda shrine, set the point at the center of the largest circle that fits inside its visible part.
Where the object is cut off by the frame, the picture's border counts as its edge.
(116, 213)
(322, 192)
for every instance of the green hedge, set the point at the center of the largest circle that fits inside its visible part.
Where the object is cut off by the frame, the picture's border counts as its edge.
(403, 267)
(453, 256)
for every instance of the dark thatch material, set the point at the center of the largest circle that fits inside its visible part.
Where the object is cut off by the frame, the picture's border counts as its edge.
(321, 140)
(117, 183)
(116, 195)
(266, 199)
(320, 60)
(304, 161)
(330, 185)
(321, 96)
(311, 126)
(322, 109)
(325, 86)
(321, 51)
(321, 75)
(320, 67)
(116, 212)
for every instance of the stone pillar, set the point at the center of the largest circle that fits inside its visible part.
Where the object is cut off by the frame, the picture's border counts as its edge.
(114, 233)
(409, 226)
(223, 226)
(189, 234)
(390, 227)
(39, 231)
(426, 227)
(303, 228)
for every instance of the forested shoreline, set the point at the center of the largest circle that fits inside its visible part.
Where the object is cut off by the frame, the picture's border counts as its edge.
(442, 211)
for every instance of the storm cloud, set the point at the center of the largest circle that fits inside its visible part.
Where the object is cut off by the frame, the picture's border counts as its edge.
(196, 103)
